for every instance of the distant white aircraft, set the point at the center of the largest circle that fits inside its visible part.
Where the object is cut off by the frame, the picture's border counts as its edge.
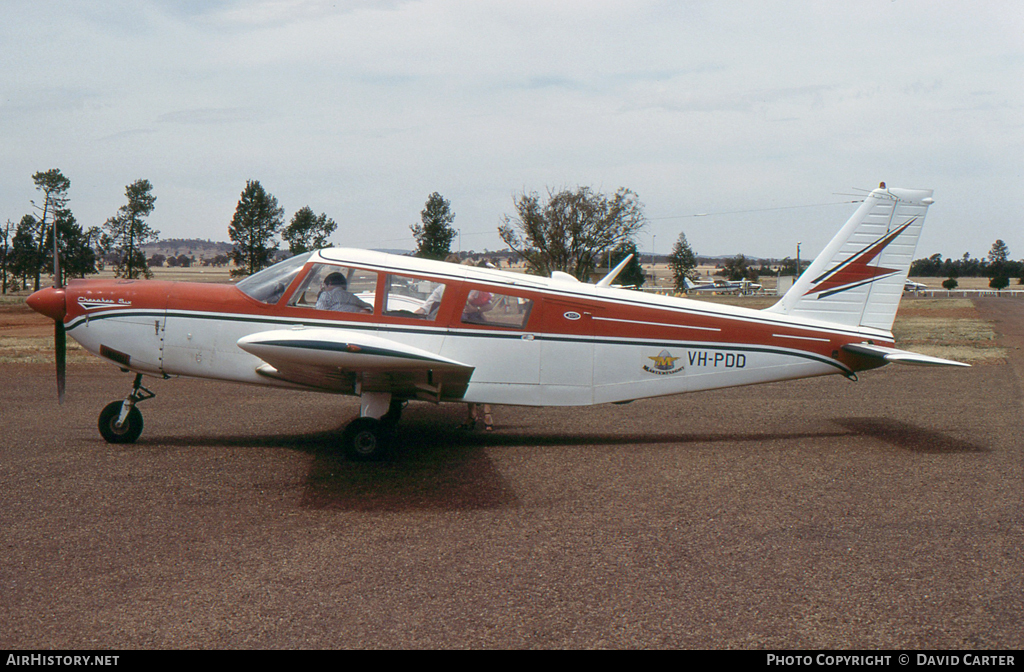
(722, 286)
(911, 286)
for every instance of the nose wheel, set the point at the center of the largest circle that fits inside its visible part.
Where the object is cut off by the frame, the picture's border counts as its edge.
(121, 421)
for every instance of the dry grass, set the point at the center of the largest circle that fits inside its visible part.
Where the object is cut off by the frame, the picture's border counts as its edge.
(38, 350)
(942, 330)
(945, 333)
(936, 304)
(947, 328)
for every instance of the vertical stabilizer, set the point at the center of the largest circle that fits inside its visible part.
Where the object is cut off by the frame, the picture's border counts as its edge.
(858, 278)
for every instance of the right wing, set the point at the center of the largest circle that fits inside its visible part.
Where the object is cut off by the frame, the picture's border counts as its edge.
(348, 361)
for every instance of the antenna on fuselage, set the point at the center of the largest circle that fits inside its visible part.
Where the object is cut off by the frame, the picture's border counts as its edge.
(612, 274)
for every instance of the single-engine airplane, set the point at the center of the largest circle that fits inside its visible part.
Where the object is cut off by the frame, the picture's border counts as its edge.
(719, 286)
(404, 329)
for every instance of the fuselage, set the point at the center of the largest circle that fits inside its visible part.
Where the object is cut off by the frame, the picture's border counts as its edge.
(529, 340)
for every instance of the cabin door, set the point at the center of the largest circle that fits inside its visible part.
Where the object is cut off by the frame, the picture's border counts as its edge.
(567, 349)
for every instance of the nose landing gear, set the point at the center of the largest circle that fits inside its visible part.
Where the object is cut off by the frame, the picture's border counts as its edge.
(121, 421)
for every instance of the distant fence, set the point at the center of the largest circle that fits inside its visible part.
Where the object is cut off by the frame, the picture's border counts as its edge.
(947, 293)
(934, 293)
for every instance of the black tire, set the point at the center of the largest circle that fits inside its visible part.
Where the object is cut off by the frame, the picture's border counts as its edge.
(366, 440)
(131, 430)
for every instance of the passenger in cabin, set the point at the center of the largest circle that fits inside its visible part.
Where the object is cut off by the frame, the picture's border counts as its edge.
(433, 302)
(335, 296)
(478, 303)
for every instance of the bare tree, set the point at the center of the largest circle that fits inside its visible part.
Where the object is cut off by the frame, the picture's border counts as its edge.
(569, 232)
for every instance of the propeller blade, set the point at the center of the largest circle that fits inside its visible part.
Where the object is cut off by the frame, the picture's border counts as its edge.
(60, 354)
(60, 340)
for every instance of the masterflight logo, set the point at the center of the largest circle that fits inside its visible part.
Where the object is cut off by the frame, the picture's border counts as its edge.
(857, 270)
(663, 364)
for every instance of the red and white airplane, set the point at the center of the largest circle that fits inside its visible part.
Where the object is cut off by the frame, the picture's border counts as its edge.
(391, 329)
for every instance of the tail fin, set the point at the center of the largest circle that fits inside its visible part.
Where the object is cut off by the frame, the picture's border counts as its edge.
(857, 280)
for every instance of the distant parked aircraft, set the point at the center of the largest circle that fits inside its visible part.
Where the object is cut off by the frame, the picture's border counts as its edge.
(722, 286)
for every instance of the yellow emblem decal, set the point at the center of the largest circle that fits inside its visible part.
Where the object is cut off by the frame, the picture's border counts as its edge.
(664, 363)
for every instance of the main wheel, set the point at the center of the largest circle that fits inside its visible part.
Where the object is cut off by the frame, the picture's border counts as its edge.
(366, 439)
(394, 413)
(129, 432)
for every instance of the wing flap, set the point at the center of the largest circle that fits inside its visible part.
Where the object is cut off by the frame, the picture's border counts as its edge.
(896, 356)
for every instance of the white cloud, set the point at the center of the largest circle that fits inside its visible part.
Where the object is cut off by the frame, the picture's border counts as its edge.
(361, 109)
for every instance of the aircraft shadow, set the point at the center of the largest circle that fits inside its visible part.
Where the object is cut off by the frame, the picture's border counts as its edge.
(909, 437)
(440, 467)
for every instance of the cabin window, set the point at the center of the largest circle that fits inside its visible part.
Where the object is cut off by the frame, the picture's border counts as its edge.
(269, 284)
(337, 288)
(496, 310)
(406, 296)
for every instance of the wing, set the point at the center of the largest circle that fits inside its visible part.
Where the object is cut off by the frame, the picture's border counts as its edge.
(898, 356)
(352, 362)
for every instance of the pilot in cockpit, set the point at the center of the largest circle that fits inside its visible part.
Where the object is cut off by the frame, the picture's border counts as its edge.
(335, 296)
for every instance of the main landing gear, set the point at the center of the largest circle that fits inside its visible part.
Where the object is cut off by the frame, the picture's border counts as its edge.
(372, 435)
(121, 421)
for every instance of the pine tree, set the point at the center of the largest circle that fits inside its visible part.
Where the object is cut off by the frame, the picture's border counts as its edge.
(683, 262)
(258, 218)
(307, 231)
(126, 232)
(54, 187)
(435, 235)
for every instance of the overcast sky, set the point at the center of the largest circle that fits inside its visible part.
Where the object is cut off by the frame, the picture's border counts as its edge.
(361, 109)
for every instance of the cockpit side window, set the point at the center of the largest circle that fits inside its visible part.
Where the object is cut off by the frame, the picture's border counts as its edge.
(270, 284)
(337, 288)
(406, 296)
(496, 310)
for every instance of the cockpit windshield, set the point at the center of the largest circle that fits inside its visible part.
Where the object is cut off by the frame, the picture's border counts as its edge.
(269, 284)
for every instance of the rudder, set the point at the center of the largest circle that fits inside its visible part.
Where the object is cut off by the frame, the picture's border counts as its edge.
(858, 278)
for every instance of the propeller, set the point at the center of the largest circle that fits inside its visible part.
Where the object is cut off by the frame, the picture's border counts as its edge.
(60, 339)
(51, 302)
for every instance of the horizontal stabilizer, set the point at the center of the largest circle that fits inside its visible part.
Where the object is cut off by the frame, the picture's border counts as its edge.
(896, 356)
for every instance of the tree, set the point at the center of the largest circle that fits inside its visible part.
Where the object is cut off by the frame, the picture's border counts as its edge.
(569, 232)
(257, 220)
(999, 253)
(999, 282)
(54, 187)
(75, 246)
(683, 262)
(435, 235)
(6, 231)
(127, 231)
(950, 283)
(307, 231)
(738, 268)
